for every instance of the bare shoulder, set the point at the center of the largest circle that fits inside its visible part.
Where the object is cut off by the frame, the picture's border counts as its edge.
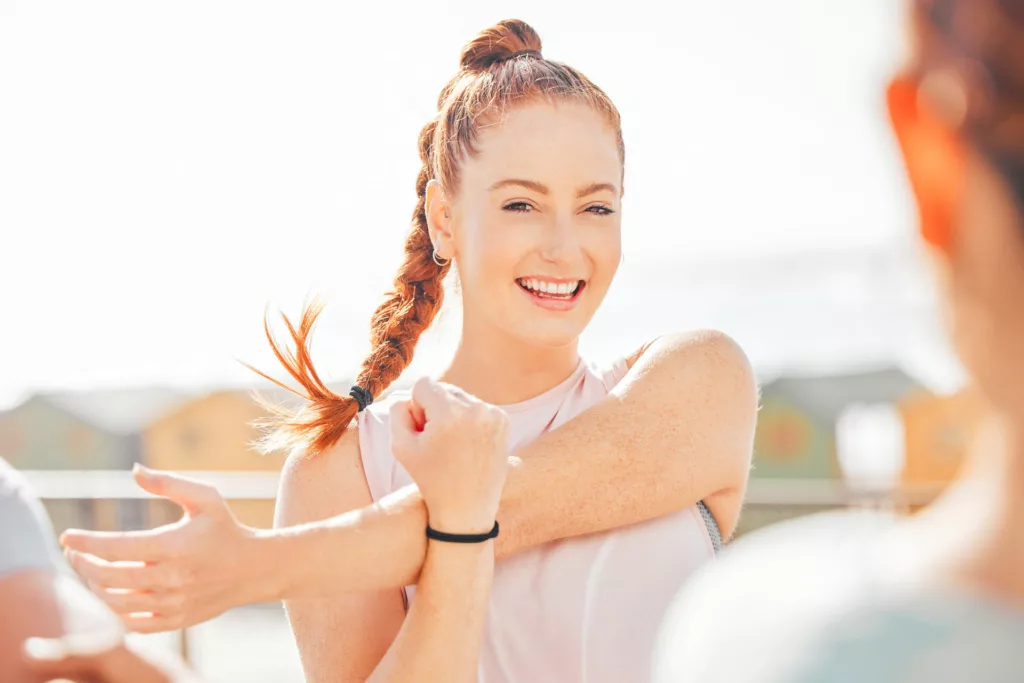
(705, 359)
(320, 486)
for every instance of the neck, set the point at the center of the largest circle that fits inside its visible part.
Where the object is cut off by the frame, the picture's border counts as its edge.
(500, 369)
(980, 520)
(997, 464)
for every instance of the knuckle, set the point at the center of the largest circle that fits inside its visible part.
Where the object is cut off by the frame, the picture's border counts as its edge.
(498, 416)
(174, 601)
(171, 578)
(478, 411)
(103, 576)
(419, 388)
(77, 562)
(397, 407)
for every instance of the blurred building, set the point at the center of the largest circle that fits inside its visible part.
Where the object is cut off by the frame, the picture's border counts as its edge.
(94, 430)
(211, 432)
(796, 431)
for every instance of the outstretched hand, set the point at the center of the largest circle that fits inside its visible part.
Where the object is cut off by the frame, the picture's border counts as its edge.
(176, 575)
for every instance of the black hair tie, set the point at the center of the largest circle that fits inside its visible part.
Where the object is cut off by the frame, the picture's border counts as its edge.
(436, 535)
(362, 396)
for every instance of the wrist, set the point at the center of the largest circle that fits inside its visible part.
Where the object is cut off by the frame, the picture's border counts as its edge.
(470, 522)
(267, 549)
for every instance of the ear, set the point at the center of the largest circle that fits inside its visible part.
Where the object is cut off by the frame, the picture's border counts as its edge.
(934, 158)
(439, 220)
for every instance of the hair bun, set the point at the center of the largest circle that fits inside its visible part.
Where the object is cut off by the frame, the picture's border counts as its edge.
(499, 43)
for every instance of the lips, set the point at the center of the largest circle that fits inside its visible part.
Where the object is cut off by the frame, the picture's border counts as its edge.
(552, 295)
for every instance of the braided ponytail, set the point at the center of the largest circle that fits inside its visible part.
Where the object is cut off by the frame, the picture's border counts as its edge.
(395, 327)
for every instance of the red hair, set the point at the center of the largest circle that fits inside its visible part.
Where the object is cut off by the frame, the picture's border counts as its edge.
(500, 68)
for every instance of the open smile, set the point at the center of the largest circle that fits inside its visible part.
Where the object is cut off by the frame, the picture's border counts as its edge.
(552, 294)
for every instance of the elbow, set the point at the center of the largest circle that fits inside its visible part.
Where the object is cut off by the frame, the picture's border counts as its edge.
(716, 395)
(736, 396)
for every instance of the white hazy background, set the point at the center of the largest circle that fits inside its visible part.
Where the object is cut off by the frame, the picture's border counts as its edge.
(169, 169)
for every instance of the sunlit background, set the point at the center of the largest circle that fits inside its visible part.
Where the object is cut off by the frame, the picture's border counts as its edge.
(167, 171)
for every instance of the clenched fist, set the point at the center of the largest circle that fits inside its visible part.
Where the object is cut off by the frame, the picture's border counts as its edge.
(455, 447)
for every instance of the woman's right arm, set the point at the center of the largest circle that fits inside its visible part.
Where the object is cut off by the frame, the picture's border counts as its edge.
(364, 637)
(344, 638)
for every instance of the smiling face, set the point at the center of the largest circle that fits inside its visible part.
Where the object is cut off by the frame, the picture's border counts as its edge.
(534, 225)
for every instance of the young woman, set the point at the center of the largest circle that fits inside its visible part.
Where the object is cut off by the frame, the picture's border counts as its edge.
(620, 478)
(940, 596)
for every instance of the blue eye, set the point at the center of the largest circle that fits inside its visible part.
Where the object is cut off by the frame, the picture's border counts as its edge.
(600, 210)
(518, 207)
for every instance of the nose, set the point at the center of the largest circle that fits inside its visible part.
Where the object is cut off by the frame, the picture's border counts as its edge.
(561, 242)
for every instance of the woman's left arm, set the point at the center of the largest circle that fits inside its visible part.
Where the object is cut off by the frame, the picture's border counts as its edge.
(678, 429)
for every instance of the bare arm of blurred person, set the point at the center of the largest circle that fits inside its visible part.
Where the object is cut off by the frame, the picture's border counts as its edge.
(678, 429)
(29, 565)
(43, 603)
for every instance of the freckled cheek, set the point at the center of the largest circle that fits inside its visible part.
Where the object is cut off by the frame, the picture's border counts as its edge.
(489, 256)
(603, 250)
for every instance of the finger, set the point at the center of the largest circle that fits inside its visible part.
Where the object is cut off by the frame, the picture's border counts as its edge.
(194, 496)
(125, 602)
(87, 644)
(431, 398)
(133, 546)
(460, 395)
(49, 658)
(132, 576)
(52, 658)
(419, 418)
(402, 423)
(76, 656)
(151, 623)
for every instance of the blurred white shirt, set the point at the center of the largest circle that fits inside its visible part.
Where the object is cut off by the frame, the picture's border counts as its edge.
(825, 599)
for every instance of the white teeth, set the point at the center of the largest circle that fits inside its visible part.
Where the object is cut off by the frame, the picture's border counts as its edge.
(554, 288)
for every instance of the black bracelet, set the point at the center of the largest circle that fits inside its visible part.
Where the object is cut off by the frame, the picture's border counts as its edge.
(436, 535)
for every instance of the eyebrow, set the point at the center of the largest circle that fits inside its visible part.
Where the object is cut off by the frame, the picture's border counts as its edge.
(541, 188)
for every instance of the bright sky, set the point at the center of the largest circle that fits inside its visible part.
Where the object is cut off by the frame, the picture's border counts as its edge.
(166, 169)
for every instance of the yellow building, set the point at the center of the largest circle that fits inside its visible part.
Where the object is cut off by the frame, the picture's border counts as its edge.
(938, 432)
(213, 432)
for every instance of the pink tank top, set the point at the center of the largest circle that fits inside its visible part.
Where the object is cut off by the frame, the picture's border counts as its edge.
(579, 610)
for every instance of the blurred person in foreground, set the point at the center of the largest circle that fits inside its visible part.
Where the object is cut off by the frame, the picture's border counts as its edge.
(51, 626)
(938, 596)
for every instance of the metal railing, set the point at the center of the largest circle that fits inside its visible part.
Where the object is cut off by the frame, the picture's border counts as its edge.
(254, 485)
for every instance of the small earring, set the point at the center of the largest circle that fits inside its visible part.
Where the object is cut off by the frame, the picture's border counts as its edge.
(446, 213)
(441, 262)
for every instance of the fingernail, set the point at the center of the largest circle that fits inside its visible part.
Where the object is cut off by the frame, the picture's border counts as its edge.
(44, 649)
